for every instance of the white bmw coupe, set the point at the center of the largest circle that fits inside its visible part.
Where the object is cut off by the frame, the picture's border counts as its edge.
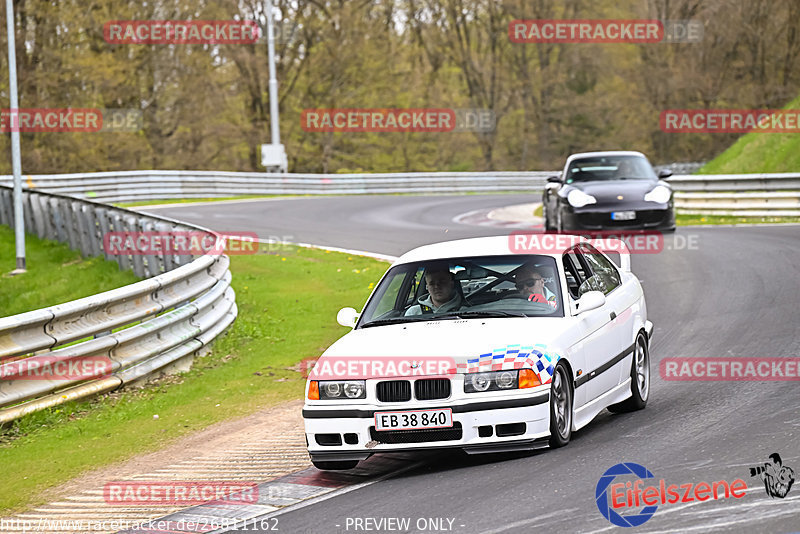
(468, 345)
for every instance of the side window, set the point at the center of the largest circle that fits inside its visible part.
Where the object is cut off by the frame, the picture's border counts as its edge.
(607, 275)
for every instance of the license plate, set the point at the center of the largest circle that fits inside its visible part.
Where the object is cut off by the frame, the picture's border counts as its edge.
(414, 419)
(623, 215)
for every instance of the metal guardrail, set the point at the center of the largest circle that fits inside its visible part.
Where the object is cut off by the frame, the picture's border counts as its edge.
(766, 194)
(183, 305)
(131, 186)
(746, 195)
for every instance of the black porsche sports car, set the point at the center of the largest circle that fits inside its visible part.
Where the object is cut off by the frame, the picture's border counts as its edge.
(608, 190)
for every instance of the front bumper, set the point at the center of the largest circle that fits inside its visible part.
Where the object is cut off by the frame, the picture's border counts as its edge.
(599, 218)
(519, 421)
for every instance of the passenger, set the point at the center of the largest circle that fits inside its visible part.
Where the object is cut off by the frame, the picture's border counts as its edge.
(530, 283)
(442, 295)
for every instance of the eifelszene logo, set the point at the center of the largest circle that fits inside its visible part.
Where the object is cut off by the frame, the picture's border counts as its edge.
(629, 495)
(777, 478)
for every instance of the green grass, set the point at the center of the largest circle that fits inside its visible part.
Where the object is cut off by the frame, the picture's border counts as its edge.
(287, 312)
(55, 274)
(693, 220)
(759, 152)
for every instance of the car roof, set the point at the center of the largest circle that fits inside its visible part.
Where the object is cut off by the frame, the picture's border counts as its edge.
(605, 153)
(477, 246)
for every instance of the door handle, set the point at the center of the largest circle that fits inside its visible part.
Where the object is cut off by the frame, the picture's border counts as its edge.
(613, 316)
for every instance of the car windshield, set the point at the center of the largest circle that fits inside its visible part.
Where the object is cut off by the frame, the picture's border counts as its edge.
(610, 168)
(469, 287)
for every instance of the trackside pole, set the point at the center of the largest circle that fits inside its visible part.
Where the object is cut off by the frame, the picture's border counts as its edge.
(19, 220)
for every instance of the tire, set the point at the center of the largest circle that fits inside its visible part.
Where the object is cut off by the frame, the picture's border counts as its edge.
(640, 379)
(334, 465)
(560, 408)
(548, 227)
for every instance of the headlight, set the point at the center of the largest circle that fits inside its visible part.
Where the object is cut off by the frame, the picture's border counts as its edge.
(494, 381)
(579, 199)
(660, 194)
(342, 389)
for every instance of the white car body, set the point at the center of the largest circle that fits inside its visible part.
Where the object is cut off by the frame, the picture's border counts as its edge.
(595, 345)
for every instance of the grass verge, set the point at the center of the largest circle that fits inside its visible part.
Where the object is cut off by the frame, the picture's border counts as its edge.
(55, 274)
(287, 307)
(759, 152)
(693, 220)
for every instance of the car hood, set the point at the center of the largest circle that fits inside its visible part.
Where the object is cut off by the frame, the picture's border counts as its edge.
(467, 345)
(607, 191)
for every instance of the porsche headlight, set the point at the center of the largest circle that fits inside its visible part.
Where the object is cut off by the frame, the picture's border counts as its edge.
(579, 199)
(660, 194)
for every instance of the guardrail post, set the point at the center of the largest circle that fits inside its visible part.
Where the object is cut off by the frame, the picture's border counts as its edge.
(30, 226)
(124, 260)
(68, 217)
(6, 207)
(130, 225)
(59, 224)
(102, 221)
(153, 265)
(44, 210)
(84, 236)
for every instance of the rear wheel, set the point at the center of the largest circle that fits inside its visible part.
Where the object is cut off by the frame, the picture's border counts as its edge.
(640, 379)
(334, 465)
(560, 408)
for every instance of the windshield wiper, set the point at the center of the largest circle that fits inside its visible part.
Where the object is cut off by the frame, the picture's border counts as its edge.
(488, 313)
(394, 320)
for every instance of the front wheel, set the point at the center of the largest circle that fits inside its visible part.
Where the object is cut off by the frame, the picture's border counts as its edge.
(640, 379)
(560, 408)
(334, 465)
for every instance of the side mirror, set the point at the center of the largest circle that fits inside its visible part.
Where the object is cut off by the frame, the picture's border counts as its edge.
(347, 317)
(591, 300)
(554, 179)
(664, 173)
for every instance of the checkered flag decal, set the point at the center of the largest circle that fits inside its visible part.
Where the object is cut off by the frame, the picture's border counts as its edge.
(533, 357)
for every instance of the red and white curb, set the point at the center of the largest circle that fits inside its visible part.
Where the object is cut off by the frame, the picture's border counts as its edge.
(516, 216)
(275, 497)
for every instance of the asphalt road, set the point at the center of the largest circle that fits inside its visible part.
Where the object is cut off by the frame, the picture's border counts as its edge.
(736, 293)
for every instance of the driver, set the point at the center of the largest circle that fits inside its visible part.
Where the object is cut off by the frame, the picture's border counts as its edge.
(626, 169)
(530, 283)
(442, 295)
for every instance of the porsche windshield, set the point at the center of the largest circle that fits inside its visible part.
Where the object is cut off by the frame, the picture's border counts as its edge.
(610, 168)
(470, 287)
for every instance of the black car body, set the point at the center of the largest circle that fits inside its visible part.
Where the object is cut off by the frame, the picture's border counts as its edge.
(608, 190)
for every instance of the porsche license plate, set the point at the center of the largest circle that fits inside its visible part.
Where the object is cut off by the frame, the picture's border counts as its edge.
(623, 215)
(414, 419)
